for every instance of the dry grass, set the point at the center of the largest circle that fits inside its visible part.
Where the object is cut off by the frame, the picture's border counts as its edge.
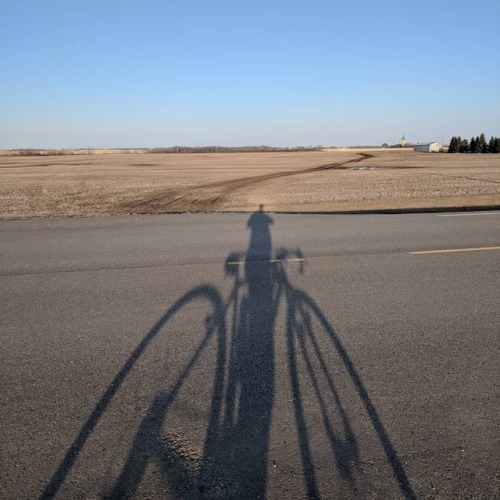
(313, 181)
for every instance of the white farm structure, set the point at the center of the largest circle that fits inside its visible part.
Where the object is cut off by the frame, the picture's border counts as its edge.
(428, 147)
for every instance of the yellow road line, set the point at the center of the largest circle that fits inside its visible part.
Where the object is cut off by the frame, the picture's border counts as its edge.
(238, 262)
(452, 250)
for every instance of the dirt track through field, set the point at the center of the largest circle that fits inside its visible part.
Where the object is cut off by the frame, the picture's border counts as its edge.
(323, 181)
(210, 195)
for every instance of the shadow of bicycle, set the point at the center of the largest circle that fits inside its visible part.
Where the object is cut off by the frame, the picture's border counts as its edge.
(235, 459)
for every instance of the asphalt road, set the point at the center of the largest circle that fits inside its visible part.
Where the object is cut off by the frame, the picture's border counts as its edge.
(250, 356)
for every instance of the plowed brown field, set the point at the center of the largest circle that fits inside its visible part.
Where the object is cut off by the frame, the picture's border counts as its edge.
(338, 180)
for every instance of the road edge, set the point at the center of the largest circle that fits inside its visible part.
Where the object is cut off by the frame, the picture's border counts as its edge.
(381, 211)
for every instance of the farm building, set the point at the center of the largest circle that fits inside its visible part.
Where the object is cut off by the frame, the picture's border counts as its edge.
(428, 147)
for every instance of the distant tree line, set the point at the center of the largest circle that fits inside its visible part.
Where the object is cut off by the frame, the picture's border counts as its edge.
(37, 152)
(476, 145)
(172, 149)
(228, 149)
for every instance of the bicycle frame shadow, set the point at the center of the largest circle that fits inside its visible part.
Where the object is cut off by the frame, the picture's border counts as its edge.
(235, 459)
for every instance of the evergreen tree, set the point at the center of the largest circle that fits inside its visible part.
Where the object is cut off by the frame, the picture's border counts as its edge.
(472, 146)
(478, 145)
(464, 146)
(483, 146)
(496, 145)
(491, 145)
(453, 145)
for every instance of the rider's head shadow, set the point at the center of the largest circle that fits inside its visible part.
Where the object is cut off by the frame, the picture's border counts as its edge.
(260, 246)
(259, 251)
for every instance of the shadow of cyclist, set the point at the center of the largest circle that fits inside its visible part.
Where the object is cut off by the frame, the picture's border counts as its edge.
(235, 458)
(240, 439)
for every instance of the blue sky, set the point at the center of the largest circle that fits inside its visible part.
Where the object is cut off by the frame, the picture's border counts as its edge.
(149, 73)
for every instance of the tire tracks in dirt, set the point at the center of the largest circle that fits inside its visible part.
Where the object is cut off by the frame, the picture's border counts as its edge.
(211, 195)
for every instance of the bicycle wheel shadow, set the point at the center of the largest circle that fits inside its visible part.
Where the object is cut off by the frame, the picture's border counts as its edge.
(235, 460)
